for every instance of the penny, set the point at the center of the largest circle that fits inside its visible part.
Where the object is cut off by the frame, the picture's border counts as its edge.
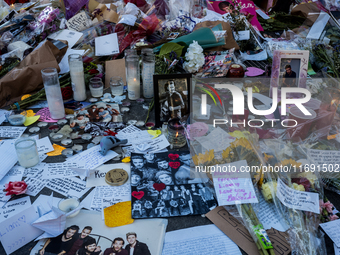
(116, 177)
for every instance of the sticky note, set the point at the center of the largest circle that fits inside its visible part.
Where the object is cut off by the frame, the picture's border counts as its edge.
(57, 150)
(118, 214)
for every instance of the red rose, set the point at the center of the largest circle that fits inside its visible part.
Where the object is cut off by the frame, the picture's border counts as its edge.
(66, 93)
(15, 188)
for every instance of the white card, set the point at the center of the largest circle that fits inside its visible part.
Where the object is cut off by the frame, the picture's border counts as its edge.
(17, 231)
(64, 66)
(13, 207)
(8, 155)
(11, 132)
(242, 35)
(300, 200)
(235, 186)
(65, 185)
(107, 45)
(44, 145)
(332, 230)
(59, 170)
(321, 157)
(71, 37)
(34, 186)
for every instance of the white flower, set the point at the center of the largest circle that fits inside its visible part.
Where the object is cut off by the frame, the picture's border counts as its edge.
(194, 57)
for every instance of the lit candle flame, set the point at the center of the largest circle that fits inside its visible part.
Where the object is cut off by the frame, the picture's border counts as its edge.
(176, 134)
(134, 79)
(12, 5)
(333, 101)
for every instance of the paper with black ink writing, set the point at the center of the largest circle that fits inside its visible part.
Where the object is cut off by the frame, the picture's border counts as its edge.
(17, 231)
(91, 158)
(300, 200)
(328, 157)
(59, 170)
(71, 37)
(332, 230)
(34, 186)
(13, 207)
(269, 217)
(206, 239)
(152, 145)
(13, 175)
(44, 145)
(66, 185)
(234, 187)
(11, 132)
(107, 45)
(79, 22)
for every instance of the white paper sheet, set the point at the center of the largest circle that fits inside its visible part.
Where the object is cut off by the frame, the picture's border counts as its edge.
(134, 137)
(64, 66)
(17, 231)
(11, 131)
(128, 19)
(202, 240)
(300, 200)
(13, 207)
(44, 145)
(262, 14)
(234, 187)
(269, 217)
(59, 170)
(107, 45)
(8, 155)
(217, 140)
(71, 37)
(43, 203)
(91, 158)
(35, 171)
(152, 145)
(34, 186)
(327, 157)
(2, 115)
(242, 35)
(318, 26)
(13, 175)
(332, 230)
(97, 176)
(65, 185)
(258, 57)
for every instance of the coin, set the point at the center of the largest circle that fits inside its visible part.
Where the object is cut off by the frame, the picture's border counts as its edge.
(116, 177)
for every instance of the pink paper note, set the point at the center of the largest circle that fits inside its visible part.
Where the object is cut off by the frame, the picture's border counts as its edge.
(45, 115)
(253, 71)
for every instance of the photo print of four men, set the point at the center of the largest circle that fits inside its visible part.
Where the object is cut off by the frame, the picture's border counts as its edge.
(168, 188)
(71, 242)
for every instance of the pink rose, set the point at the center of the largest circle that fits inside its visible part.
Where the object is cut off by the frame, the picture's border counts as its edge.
(333, 217)
(15, 188)
(329, 206)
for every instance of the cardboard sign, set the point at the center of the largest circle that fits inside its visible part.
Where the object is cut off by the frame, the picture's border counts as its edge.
(240, 235)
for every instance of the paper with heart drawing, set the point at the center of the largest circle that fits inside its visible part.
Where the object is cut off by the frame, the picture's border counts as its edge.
(17, 231)
(162, 186)
(13, 207)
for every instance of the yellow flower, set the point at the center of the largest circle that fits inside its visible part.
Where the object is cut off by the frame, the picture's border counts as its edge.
(267, 157)
(238, 134)
(195, 159)
(25, 96)
(266, 190)
(298, 187)
(126, 159)
(288, 162)
(226, 153)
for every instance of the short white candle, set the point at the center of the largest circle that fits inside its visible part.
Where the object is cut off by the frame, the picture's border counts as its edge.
(69, 204)
(134, 88)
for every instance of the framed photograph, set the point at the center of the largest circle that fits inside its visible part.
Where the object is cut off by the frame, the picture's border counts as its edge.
(289, 69)
(172, 93)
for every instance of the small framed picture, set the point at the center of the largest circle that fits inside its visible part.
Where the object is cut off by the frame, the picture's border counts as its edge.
(172, 93)
(289, 69)
(173, 35)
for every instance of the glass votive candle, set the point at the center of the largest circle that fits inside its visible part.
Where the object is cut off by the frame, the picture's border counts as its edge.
(27, 152)
(16, 117)
(68, 205)
(42, 124)
(96, 87)
(176, 136)
(117, 86)
(34, 130)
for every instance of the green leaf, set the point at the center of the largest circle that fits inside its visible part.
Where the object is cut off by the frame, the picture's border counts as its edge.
(170, 46)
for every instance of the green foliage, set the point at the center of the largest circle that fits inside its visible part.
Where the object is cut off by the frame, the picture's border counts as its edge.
(169, 47)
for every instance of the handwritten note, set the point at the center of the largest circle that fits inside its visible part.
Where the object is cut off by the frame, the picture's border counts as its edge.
(194, 241)
(107, 45)
(79, 22)
(234, 187)
(321, 157)
(300, 200)
(34, 186)
(13, 175)
(91, 158)
(134, 135)
(35, 171)
(97, 176)
(8, 155)
(59, 170)
(332, 230)
(13, 207)
(269, 217)
(3, 115)
(44, 145)
(65, 185)
(11, 132)
(152, 145)
(17, 231)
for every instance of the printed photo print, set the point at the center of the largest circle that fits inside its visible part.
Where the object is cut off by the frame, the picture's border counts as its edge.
(162, 186)
(86, 234)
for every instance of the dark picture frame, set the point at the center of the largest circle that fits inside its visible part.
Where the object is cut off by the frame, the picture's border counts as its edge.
(178, 100)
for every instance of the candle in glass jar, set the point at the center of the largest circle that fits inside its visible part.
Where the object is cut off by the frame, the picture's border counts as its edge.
(176, 135)
(27, 152)
(77, 77)
(69, 204)
(134, 89)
